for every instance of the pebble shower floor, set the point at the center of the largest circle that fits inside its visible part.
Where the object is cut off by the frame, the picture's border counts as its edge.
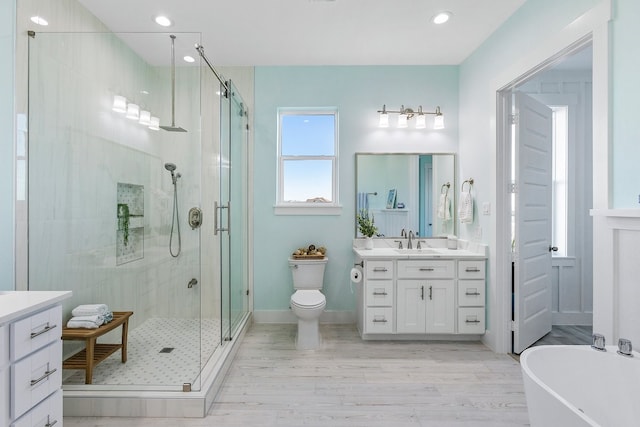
(147, 364)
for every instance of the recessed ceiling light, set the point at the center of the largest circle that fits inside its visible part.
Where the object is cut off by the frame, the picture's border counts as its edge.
(441, 18)
(188, 59)
(39, 20)
(163, 21)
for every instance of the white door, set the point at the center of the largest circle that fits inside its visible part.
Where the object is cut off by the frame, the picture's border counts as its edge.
(533, 220)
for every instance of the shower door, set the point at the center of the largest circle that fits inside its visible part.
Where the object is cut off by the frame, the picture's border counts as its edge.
(233, 212)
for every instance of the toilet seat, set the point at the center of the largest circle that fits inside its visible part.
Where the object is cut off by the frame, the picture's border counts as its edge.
(308, 299)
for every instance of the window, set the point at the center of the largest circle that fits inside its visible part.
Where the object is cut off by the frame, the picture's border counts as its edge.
(307, 161)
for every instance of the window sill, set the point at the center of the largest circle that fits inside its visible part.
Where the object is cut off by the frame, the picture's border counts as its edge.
(307, 209)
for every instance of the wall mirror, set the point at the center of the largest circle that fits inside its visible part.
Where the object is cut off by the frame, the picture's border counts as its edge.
(411, 191)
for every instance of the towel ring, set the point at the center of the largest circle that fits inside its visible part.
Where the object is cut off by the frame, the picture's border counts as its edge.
(448, 184)
(470, 181)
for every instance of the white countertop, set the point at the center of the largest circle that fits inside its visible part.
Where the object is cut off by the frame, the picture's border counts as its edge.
(15, 304)
(376, 253)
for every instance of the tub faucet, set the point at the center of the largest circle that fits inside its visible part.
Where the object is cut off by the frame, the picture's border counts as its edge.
(624, 347)
(411, 237)
(597, 342)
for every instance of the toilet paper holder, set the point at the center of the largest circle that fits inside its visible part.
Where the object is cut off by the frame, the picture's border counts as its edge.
(359, 264)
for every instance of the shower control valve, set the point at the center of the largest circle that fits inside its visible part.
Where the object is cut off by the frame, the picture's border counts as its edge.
(195, 218)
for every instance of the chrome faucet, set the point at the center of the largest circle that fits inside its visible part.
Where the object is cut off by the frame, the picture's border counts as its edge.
(624, 347)
(411, 237)
(597, 342)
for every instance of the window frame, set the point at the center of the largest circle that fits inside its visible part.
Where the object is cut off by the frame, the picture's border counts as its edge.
(283, 207)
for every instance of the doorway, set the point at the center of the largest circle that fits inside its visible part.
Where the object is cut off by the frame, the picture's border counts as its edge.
(561, 301)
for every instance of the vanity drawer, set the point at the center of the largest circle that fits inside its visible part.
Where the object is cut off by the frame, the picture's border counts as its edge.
(379, 320)
(379, 293)
(471, 293)
(471, 320)
(426, 269)
(471, 269)
(35, 377)
(47, 413)
(35, 331)
(379, 269)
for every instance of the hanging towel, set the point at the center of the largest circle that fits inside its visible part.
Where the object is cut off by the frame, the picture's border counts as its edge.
(465, 209)
(444, 207)
(85, 322)
(90, 310)
(363, 203)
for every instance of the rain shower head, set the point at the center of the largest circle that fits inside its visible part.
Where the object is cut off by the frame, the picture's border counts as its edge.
(170, 167)
(173, 127)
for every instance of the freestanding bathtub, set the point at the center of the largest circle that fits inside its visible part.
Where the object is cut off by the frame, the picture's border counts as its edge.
(575, 385)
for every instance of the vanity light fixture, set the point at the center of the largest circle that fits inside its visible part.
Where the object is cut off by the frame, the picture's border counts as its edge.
(145, 118)
(119, 104)
(154, 123)
(133, 111)
(406, 114)
(384, 118)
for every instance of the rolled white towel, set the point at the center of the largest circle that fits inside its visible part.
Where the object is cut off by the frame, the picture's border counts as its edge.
(86, 322)
(90, 310)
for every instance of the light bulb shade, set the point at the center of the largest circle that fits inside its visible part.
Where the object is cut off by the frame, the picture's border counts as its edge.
(119, 104)
(145, 118)
(154, 123)
(133, 111)
(421, 121)
(384, 120)
(402, 121)
(438, 122)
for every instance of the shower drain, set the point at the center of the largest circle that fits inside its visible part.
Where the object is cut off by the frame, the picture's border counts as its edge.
(166, 350)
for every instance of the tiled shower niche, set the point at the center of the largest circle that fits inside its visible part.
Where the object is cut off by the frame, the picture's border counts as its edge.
(130, 233)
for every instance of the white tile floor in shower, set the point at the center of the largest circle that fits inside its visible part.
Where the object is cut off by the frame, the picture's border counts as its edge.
(148, 365)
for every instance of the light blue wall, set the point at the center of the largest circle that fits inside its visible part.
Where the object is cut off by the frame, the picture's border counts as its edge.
(7, 66)
(357, 92)
(626, 93)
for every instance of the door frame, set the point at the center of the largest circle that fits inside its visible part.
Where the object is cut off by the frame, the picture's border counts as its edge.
(592, 27)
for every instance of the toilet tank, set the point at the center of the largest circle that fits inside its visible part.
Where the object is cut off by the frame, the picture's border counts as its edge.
(307, 274)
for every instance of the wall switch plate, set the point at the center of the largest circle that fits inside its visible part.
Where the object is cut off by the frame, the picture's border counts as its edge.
(486, 208)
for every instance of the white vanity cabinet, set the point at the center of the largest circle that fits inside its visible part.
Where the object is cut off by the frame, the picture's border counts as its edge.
(426, 296)
(31, 358)
(404, 297)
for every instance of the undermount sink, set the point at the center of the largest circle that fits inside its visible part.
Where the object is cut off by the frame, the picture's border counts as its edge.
(425, 251)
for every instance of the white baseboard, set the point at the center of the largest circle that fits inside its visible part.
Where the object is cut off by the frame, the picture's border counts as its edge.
(287, 316)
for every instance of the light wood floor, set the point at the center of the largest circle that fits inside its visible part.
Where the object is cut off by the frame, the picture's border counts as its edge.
(350, 382)
(567, 335)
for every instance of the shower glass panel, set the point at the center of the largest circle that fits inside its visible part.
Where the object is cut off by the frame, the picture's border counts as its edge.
(239, 227)
(100, 199)
(233, 213)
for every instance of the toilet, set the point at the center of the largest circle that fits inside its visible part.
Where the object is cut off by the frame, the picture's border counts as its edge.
(307, 302)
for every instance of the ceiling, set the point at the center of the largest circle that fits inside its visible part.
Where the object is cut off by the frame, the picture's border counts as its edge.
(309, 32)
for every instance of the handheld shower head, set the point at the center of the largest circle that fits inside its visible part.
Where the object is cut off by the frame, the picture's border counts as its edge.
(170, 167)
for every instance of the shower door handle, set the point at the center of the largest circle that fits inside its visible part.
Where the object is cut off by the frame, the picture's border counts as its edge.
(217, 208)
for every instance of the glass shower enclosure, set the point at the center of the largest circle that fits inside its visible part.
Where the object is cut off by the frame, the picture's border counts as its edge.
(102, 194)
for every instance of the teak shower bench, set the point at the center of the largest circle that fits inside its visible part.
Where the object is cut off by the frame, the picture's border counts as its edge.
(93, 352)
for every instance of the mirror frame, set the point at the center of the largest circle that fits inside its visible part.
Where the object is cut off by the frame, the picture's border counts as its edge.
(454, 186)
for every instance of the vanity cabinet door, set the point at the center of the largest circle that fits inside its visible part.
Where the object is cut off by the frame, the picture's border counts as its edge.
(411, 306)
(440, 307)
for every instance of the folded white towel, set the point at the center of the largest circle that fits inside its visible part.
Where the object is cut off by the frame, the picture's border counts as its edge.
(87, 322)
(465, 208)
(90, 310)
(444, 207)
